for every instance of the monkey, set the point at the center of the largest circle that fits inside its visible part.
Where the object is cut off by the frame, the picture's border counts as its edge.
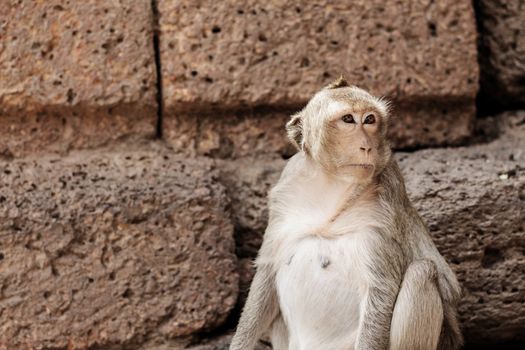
(346, 261)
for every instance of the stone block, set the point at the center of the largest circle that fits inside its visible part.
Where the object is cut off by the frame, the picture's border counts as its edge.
(75, 74)
(229, 56)
(112, 250)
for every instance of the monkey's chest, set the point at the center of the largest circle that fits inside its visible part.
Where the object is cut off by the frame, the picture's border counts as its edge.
(321, 287)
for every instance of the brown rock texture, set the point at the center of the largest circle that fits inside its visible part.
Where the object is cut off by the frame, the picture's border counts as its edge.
(429, 122)
(230, 135)
(75, 74)
(248, 181)
(473, 199)
(502, 52)
(221, 342)
(108, 251)
(229, 56)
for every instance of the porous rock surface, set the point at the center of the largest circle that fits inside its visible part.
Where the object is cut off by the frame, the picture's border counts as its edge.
(226, 135)
(472, 198)
(248, 181)
(108, 250)
(228, 56)
(221, 342)
(502, 52)
(75, 74)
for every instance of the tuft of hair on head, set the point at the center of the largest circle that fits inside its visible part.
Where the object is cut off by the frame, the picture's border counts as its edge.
(339, 83)
(387, 104)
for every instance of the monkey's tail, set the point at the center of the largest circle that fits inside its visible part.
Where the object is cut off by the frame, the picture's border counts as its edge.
(451, 338)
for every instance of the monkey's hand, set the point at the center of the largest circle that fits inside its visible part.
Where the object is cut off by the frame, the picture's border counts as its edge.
(260, 310)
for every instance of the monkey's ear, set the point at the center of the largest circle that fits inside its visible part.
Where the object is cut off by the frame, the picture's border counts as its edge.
(339, 83)
(294, 129)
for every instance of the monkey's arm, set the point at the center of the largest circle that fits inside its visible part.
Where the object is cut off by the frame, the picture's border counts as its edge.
(260, 310)
(384, 282)
(374, 328)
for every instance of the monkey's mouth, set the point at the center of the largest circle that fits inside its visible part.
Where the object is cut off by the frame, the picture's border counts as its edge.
(360, 165)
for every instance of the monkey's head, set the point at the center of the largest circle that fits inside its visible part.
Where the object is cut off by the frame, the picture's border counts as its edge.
(343, 128)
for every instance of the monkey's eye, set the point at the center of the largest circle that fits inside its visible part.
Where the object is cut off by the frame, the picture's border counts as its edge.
(370, 119)
(348, 118)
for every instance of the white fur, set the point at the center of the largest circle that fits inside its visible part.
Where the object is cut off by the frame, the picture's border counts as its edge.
(320, 305)
(335, 108)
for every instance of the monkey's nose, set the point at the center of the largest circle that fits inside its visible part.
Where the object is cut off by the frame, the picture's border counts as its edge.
(366, 149)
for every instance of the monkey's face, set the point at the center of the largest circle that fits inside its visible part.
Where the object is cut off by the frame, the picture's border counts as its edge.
(344, 130)
(351, 141)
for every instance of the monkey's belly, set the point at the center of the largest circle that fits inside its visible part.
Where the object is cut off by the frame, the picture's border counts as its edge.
(321, 288)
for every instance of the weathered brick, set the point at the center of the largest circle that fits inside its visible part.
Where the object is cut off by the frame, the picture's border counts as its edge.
(229, 55)
(111, 249)
(75, 74)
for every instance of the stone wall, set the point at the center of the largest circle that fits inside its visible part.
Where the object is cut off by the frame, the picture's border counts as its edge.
(139, 139)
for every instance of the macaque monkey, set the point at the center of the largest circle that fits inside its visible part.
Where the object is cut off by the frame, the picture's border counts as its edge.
(346, 261)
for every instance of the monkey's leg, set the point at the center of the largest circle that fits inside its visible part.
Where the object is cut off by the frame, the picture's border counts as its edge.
(279, 335)
(260, 310)
(418, 312)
